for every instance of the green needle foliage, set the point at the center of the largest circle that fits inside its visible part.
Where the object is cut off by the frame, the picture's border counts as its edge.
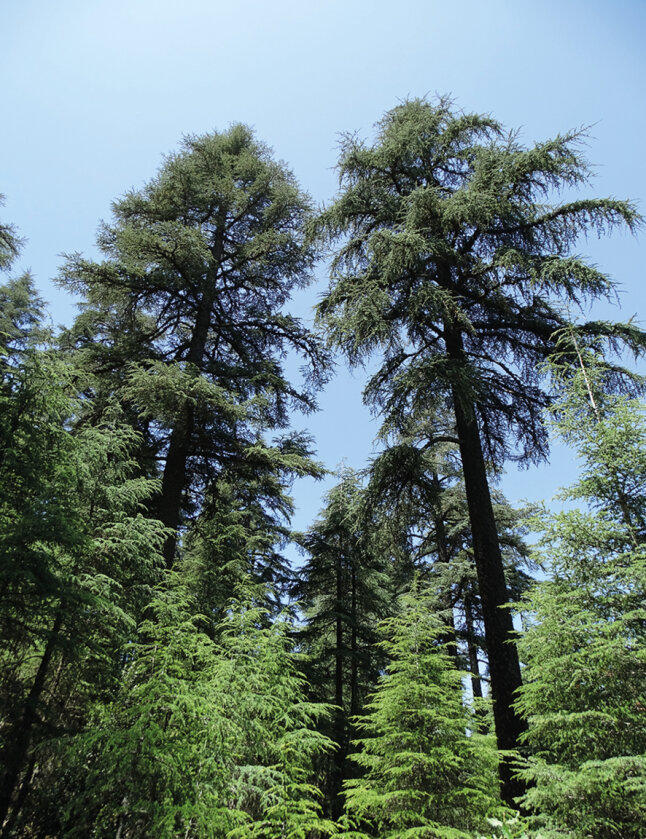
(418, 488)
(427, 773)
(206, 738)
(585, 647)
(154, 762)
(273, 781)
(79, 557)
(146, 463)
(10, 243)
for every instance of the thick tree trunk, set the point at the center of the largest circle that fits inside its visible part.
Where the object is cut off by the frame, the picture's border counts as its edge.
(19, 739)
(504, 666)
(174, 480)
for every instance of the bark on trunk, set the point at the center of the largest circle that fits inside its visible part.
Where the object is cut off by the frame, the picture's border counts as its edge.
(175, 480)
(354, 652)
(504, 667)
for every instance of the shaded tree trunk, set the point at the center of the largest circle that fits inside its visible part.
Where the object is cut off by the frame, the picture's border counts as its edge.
(19, 739)
(504, 666)
(354, 660)
(174, 481)
(472, 649)
(441, 541)
(339, 716)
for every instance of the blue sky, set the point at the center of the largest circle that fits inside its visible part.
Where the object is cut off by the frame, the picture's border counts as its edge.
(95, 93)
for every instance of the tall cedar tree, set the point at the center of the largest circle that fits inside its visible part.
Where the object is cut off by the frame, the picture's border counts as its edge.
(585, 647)
(454, 266)
(199, 265)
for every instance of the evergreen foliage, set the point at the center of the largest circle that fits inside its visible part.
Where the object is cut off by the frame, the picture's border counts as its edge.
(207, 738)
(417, 486)
(426, 771)
(9, 243)
(585, 646)
(344, 589)
(78, 559)
(151, 682)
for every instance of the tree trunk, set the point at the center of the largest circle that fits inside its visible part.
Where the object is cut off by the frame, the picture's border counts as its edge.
(441, 542)
(174, 480)
(19, 739)
(339, 714)
(354, 652)
(504, 666)
(472, 648)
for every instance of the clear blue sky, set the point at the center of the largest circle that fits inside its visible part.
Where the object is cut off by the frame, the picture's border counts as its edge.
(95, 92)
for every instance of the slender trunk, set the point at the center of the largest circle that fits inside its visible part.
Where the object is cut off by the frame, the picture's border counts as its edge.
(19, 739)
(339, 716)
(124, 804)
(504, 666)
(448, 638)
(20, 798)
(474, 667)
(472, 648)
(354, 660)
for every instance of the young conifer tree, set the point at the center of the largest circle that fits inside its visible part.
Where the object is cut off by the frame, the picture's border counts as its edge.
(455, 264)
(585, 646)
(207, 737)
(426, 772)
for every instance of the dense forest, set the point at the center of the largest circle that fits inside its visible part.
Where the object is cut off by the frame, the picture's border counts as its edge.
(440, 665)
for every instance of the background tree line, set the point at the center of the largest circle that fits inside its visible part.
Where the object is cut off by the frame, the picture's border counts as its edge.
(165, 671)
